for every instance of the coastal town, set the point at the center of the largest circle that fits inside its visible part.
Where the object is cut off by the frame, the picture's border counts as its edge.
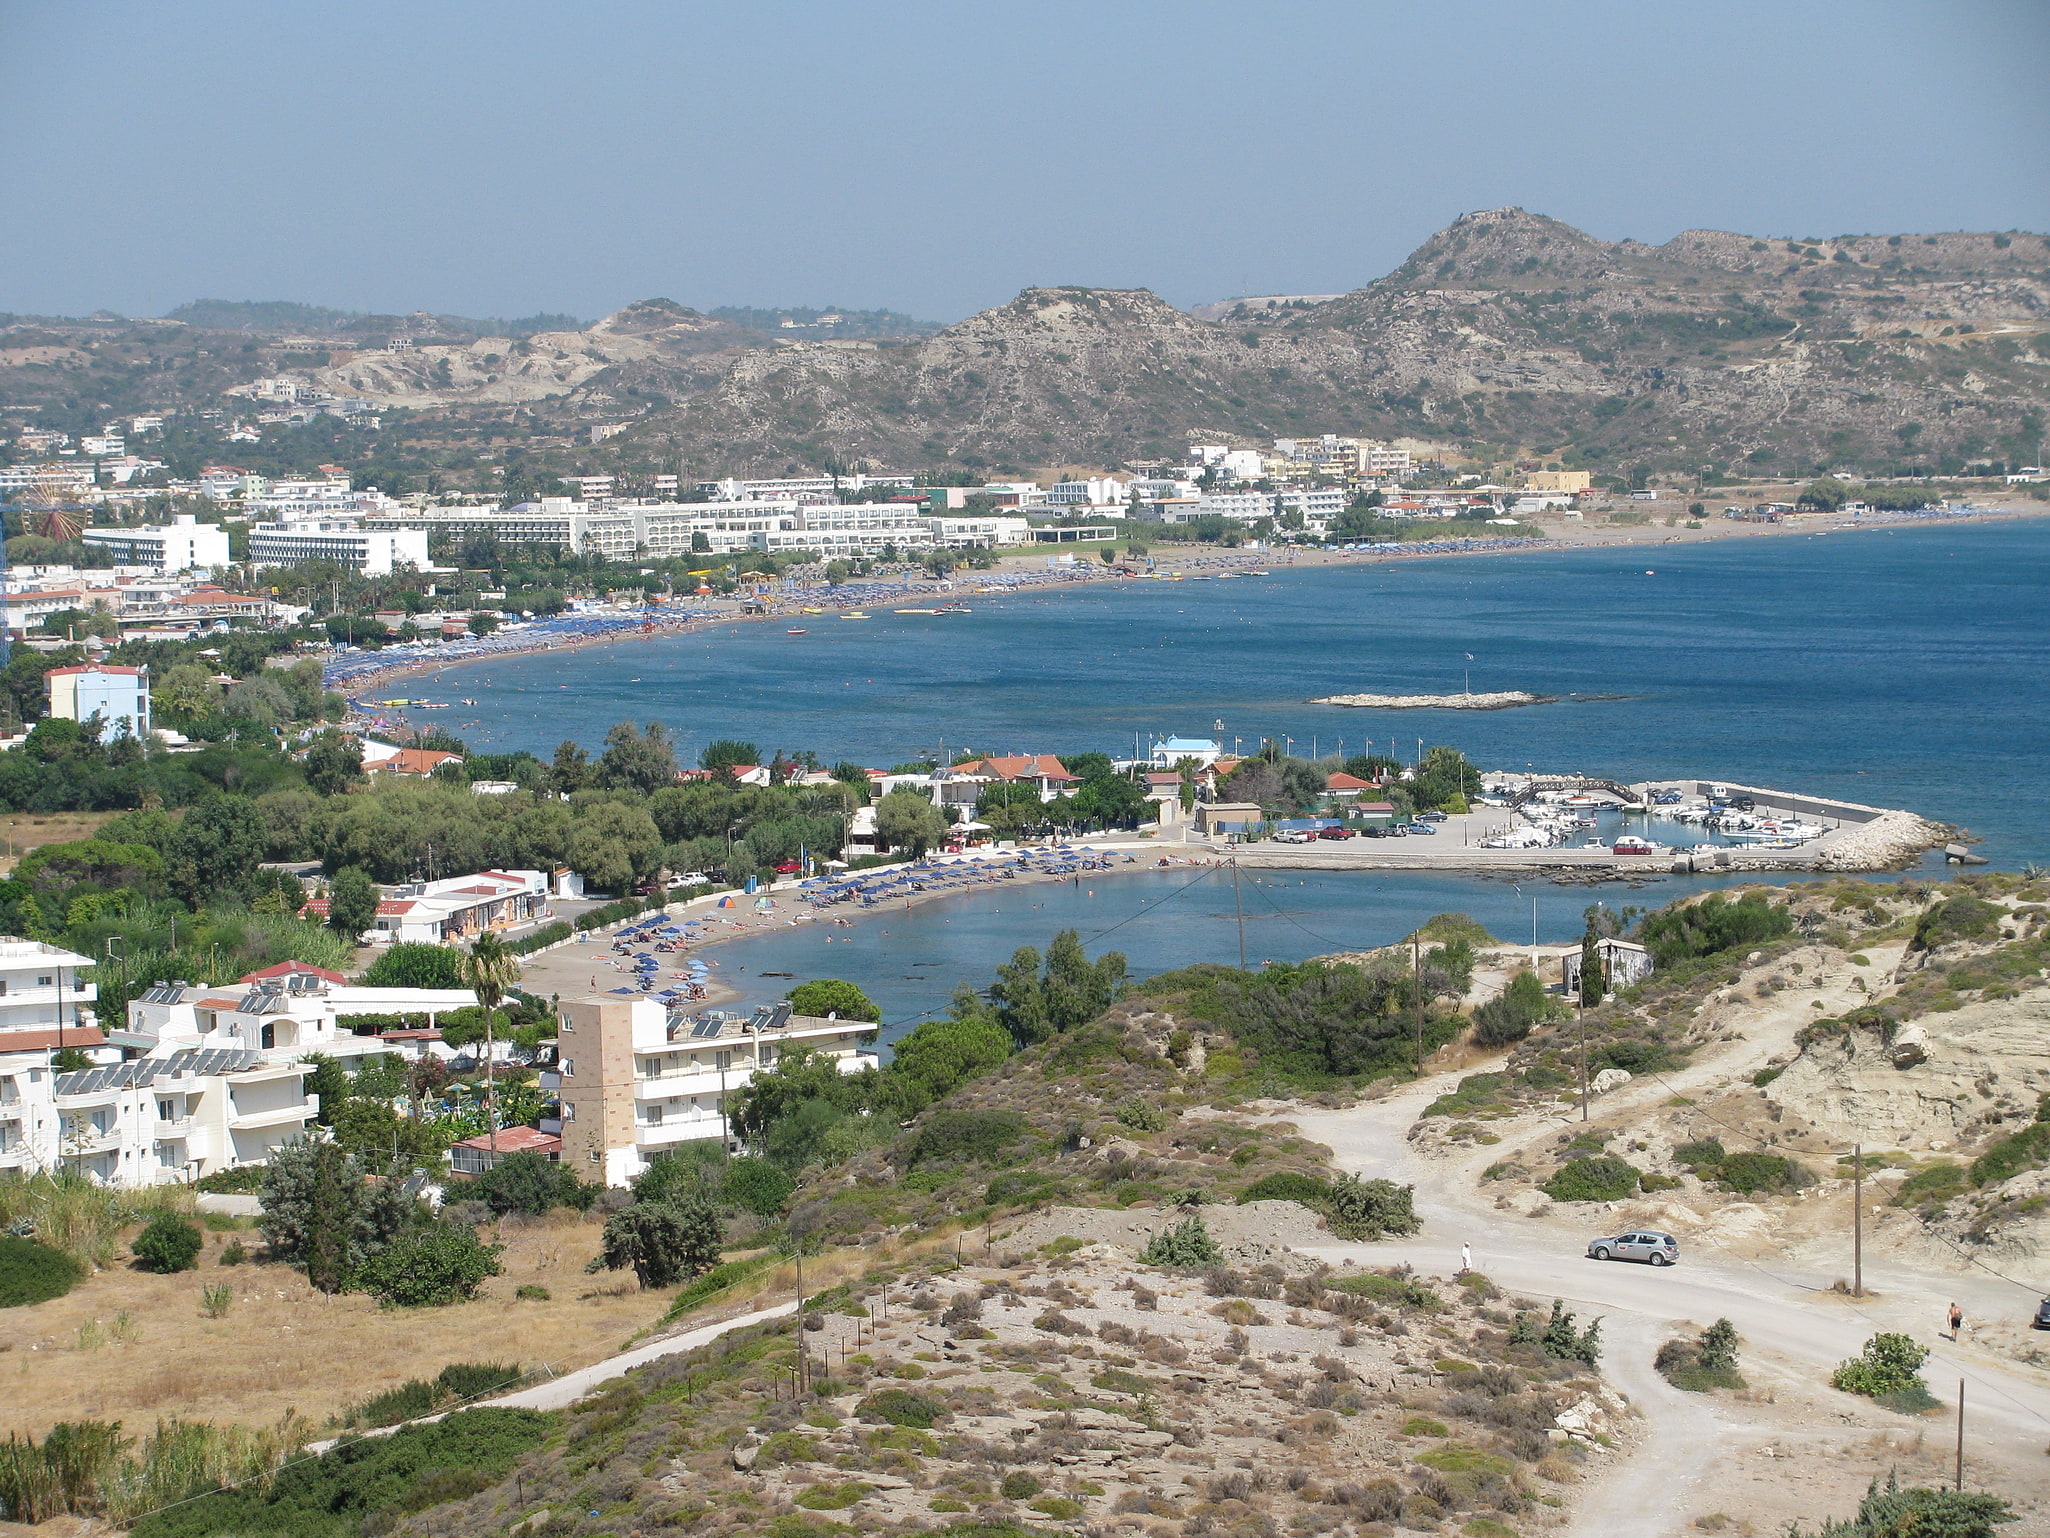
(842, 772)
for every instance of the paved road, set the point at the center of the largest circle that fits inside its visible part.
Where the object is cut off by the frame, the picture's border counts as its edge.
(1777, 1311)
(572, 1386)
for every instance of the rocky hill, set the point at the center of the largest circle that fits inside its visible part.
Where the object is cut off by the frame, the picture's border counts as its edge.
(1511, 332)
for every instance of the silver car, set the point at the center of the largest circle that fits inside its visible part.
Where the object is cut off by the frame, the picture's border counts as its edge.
(1654, 1248)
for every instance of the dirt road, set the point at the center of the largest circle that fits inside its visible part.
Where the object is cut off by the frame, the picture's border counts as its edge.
(1795, 1331)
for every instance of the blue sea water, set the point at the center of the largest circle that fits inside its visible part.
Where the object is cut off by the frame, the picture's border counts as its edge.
(1899, 667)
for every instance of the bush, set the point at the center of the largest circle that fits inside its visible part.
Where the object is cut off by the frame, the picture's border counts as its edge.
(1141, 1115)
(1932, 1186)
(1889, 1370)
(1686, 931)
(1188, 1244)
(757, 1185)
(532, 1292)
(900, 1407)
(1522, 1006)
(169, 1244)
(1558, 1338)
(832, 996)
(432, 1265)
(1398, 1291)
(416, 964)
(1367, 1209)
(962, 1137)
(1917, 1513)
(662, 1243)
(1708, 1362)
(2011, 1155)
(1019, 1486)
(363, 1485)
(1287, 1186)
(529, 1182)
(34, 1273)
(1750, 1173)
(1706, 1153)
(1606, 1179)
(1959, 918)
(1636, 1057)
(241, 1180)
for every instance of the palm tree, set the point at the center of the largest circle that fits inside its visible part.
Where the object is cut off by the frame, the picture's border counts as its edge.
(490, 970)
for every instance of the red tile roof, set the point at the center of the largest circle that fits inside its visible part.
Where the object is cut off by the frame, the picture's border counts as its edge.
(1343, 781)
(1023, 766)
(48, 1040)
(515, 1140)
(287, 968)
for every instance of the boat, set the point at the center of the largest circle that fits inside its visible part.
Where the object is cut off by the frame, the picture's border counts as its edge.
(811, 611)
(795, 632)
(1630, 843)
(854, 614)
(915, 611)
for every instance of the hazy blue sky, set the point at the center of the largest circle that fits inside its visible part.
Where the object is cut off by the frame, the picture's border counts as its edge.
(516, 156)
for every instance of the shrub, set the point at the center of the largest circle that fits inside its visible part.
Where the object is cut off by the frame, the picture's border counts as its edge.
(1398, 1291)
(964, 1137)
(34, 1273)
(234, 1252)
(1636, 1057)
(663, 1244)
(241, 1180)
(2011, 1155)
(1889, 1370)
(169, 1244)
(529, 1182)
(1520, 1008)
(1932, 1186)
(429, 1266)
(1367, 1209)
(900, 1407)
(757, 1185)
(1019, 1486)
(1287, 1186)
(1606, 1179)
(1141, 1115)
(1558, 1338)
(1917, 1513)
(1707, 1362)
(1688, 930)
(416, 964)
(1750, 1173)
(831, 996)
(1706, 1153)
(1187, 1244)
(1959, 918)
(215, 1299)
(532, 1292)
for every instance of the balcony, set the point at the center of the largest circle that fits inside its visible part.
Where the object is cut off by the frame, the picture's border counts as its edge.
(171, 1131)
(294, 1115)
(684, 1127)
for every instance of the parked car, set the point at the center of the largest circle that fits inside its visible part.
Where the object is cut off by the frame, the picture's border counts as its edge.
(789, 868)
(1335, 833)
(1654, 1248)
(1420, 827)
(1430, 816)
(2042, 1319)
(1293, 836)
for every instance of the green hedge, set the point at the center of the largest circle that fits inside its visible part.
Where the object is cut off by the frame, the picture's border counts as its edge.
(1607, 1179)
(34, 1273)
(547, 934)
(242, 1180)
(613, 912)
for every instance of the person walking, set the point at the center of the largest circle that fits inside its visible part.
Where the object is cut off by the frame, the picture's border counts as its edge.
(1957, 1321)
(1465, 1258)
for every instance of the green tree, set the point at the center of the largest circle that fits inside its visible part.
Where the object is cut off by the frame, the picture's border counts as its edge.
(491, 972)
(352, 899)
(429, 1266)
(757, 1185)
(327, 1084)
(726, 754)
(416, 964)
(907, 819)
(1443, 774)
(797, 1077)
(831, 996)
(612, 846)
(216, 849)
(570, 771)
(1893, 1512)
(527, 1182)
(937, 1058)
(1521, 1008)
(1034, 1003)
(320, 1211)
(642, 761)
(170, 1243)
(661, 1243)
(334, 762)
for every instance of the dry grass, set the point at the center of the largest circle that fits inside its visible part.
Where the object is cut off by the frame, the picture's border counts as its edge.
(282, 1346)
(22, 831)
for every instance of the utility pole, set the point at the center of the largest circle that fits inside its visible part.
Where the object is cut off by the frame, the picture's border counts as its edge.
(1857, 1220)
(1960, 1480)
(1580, 1014)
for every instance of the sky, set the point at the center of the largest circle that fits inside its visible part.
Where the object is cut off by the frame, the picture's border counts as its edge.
(515, 156)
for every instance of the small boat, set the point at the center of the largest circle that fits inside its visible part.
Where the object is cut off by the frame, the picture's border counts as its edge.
(854, 614)
(469, 702)
(794, 632)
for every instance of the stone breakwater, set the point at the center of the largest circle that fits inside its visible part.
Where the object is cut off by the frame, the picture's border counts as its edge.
(1507, 699)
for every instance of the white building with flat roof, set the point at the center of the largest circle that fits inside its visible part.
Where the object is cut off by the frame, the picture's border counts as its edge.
(183, 544)
(280, 1014)
(369, 551)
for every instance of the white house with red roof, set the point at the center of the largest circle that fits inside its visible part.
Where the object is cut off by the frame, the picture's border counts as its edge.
(436, 912)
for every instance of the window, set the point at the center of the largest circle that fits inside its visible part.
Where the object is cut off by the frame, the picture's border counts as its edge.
(45, 981)
(654, 1116)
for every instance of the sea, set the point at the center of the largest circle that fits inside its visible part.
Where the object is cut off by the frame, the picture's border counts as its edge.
(1904, 666)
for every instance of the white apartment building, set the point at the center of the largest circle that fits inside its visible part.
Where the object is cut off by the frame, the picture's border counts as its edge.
(798, 486)
(118, 696)
(1319, 506)
(45, 480)
(1097, 491)
(1240, 506)
(40, 990)
(278, 1015)
(636, 1079)
(373, 552)
(184, 544)
(437, 912)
